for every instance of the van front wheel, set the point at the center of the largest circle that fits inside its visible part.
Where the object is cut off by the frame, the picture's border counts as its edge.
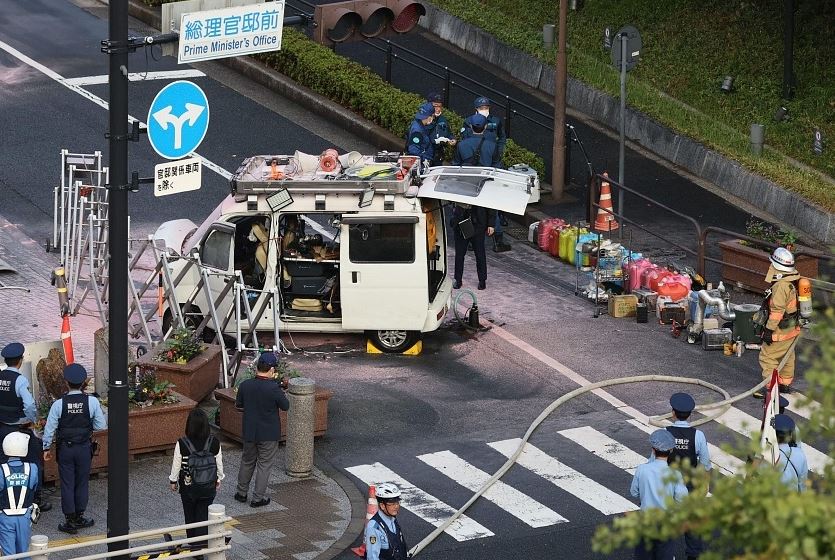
(393, 342)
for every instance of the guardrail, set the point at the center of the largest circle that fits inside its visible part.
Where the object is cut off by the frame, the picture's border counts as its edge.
(215, 550)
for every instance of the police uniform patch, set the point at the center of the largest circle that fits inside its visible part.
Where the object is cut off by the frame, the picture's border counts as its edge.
(372, 539)
(416, 139)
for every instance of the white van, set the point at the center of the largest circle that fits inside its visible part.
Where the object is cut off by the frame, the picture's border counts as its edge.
(352, 243)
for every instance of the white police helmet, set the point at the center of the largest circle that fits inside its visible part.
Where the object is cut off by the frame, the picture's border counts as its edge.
(16, 444)
(782, 260)
(388, 491)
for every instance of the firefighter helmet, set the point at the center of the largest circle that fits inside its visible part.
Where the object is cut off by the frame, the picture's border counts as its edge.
(783, 260)
(387, 492)
(16, 444)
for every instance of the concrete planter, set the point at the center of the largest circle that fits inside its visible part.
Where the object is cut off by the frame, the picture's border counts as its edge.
(195, 379)
(153, 428)
(753, 258)
(231, 418)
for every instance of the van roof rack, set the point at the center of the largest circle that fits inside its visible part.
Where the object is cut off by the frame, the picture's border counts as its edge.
(387, 172)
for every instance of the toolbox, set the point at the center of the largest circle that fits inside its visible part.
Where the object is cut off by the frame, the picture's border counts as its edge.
(671, 312)
(715, 339)
(623, 305)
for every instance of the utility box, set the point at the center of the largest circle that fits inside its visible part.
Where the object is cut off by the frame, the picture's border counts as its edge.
(715, 339)
(623, 305)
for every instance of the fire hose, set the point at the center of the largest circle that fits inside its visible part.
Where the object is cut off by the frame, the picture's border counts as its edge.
(722, 405)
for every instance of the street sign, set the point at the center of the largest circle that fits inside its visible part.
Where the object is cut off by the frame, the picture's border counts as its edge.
(633, 47)
(173, 177)
(231, 32)
(178, 119)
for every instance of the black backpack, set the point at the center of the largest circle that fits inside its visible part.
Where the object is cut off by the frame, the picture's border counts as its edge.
(201, 473)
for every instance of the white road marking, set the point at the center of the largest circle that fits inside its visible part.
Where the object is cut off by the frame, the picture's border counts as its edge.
(94, 98)
(426, 506)
(727, 463)
(506, 497)
(605, 447)
(801, 405)
(137, 77)
(749, 426)
(566, 478)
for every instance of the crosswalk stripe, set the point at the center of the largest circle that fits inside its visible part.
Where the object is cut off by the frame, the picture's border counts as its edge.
(800, 405)
(563, 476)
(424, 505)
(726, 462)
(745, 424)
(506, 497)
(605, 447)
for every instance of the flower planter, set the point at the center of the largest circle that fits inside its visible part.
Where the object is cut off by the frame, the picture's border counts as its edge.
(195, 379)
(733, 251)
(231, 418)
(152, 428)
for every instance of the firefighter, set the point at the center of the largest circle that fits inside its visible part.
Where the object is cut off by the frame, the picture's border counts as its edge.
(384, 539)
(18, 482)
(783, 322)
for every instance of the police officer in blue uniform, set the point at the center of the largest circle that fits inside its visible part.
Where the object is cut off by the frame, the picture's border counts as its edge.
(18, 481)
(74, 417)
(384, 538)
(494, 127)
(419, 140)
(440, 131)
(792, 463)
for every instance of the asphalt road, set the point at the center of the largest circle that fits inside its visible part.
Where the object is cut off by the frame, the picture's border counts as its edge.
(435, 420)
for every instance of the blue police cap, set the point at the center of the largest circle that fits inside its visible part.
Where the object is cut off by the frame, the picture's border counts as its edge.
(784, 402)
(480, 101)
(75, 374)
(783, 423)
(268, 359)
(424, 111)
(662, 440)
(478, 121)
(13, 351)
(682, 402)
(435, 97)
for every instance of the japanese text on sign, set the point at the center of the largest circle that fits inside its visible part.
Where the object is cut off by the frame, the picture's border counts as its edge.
(177, 176)
(231, 32)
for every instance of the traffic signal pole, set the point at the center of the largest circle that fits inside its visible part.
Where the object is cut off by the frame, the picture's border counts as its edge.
(118, 491)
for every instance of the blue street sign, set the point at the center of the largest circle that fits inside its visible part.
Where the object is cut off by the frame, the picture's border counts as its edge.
(178, 119)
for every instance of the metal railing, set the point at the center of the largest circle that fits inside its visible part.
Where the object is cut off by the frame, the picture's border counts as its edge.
(216, 545)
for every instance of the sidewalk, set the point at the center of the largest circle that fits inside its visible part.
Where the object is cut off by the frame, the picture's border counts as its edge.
(308, 518)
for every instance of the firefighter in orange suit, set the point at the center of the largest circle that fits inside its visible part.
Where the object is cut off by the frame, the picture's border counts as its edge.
(783, 323)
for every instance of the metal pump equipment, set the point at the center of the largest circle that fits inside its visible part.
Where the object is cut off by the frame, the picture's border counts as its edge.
(719, 298)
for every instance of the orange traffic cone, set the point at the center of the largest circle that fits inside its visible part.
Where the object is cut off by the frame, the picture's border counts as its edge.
(370, 511)
(605, 220)
(66, 340)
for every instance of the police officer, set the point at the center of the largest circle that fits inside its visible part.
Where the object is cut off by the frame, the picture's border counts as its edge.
(74, 416)
(418, 140)
(783, 323)
(653, 483)
(18, 481)
(440, 131)
(792, 463)
(495, 126)
(691, 445)
(384, 539)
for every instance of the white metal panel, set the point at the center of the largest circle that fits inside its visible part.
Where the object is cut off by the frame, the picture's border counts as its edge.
(487, 187)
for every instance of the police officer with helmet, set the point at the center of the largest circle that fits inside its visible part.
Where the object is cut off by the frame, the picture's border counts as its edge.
(384, 539)
(439, 129)
(18, 481)
(419, 140)
(792, 463)
(494, 126)
(71, 422)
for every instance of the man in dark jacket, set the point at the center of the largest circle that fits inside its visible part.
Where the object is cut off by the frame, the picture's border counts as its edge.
(471, 225)
(260, 398)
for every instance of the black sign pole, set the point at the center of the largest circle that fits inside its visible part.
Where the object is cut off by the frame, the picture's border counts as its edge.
(621, 154)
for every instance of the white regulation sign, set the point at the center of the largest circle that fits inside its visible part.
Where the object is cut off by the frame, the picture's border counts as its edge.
(231, 32)
(178, 176)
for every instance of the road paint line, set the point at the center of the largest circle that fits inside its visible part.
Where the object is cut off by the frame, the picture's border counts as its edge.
(605, 447)
(801, 405)
(426, 506)
(137, 77)
(727, 463)
(749, 426)
(94, 98)
(506, 497)
(561, 475)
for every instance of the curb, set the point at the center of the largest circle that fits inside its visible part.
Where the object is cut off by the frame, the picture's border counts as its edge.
(356, 526)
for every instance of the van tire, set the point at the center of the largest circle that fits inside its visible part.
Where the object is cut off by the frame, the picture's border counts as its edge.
(393, 342)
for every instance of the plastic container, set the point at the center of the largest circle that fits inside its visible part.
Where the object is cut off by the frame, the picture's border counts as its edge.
(568, 238)
(676, 286)
(554, 239)
(645, 275)
(582, 259)
(544, 230)
(634, 270)
(710, 310)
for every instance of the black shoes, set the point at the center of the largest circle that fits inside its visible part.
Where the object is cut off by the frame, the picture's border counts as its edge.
(81, 522)
(259, 503)
(240, 498)
(785, 389)
(456, 285)
(500, 247)
(68, 526)
(45, 506)
(482, 285)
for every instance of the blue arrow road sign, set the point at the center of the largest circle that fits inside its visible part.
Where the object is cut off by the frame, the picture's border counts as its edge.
(178, 119)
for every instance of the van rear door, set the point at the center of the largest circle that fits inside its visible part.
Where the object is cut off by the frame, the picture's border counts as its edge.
(487, 187)
(383, 272)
